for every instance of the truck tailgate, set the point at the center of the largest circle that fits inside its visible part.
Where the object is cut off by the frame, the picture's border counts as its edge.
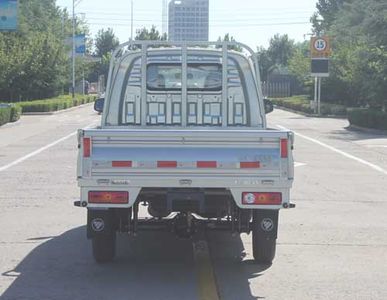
(210, 153)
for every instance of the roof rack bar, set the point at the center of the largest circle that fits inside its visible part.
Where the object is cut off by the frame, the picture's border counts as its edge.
(184, 88)
(144, 49)
(224, 109)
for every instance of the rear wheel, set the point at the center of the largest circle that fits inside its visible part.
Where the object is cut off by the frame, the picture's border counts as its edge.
(104, 247)
(264, 236)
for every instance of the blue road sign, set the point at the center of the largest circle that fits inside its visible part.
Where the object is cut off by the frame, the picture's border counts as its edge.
(80, 44)
(8, 15)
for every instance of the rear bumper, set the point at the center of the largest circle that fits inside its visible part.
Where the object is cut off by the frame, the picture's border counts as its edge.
(236, 186)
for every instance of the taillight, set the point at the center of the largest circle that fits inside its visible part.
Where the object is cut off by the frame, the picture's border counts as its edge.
(262, 198)
(284, 148)
(86, 147)
(109, 197)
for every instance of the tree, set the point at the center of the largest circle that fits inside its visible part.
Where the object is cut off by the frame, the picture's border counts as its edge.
(34, 60)
(265, 62)
(105, 42)
(228, 38)
(327, 10)
(280, 50)
(359, 60)
(149, 34)
(299, 65)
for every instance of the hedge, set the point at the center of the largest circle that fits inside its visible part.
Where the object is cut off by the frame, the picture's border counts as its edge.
(369, 118)
(302, 104)
(54, 104)
(9, 113)
(5, 115)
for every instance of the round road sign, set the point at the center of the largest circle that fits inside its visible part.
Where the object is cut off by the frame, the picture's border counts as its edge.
(320, 45)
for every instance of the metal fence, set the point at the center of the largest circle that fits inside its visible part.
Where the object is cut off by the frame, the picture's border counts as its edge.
(276, 89)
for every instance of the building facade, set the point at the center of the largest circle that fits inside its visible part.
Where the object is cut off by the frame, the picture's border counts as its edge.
(188, 20)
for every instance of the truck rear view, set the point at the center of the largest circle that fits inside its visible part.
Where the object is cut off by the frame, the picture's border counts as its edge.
(184, 133)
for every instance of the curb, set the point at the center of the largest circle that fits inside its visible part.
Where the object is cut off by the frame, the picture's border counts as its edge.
(11, 124)
(48, 113)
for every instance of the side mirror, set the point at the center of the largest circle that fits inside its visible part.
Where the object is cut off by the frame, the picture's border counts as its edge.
(268, 106)
(98, 105)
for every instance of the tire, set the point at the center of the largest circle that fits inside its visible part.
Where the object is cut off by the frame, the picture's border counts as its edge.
(104, 247)
(264, 247)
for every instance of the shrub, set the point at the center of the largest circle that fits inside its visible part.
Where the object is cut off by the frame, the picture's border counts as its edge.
(5, 115)
(15, 113)
(369, 118)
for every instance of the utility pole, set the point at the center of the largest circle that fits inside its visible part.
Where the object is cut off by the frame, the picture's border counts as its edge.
(131, 21)
(73, 53)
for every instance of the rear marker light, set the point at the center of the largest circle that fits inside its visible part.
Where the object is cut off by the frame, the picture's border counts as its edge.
(206, 164)
(262, 198)
(121, 164)
(167, 164)
(86, 147)
(250, 165)
(284, 148)
(102, 197)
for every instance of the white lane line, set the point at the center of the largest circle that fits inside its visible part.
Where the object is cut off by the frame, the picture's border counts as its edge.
(299, 164)
(40, 150)
(350, 156)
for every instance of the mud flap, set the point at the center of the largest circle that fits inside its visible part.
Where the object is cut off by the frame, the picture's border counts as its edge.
(265, 223)
(99, 222)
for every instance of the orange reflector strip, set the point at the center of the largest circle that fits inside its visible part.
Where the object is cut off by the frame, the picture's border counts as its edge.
(121, 164)
(109, 197)
(284, 148)
(167, 164)
(86, 147)
(262, 198)
(206, 164)
(250, 165)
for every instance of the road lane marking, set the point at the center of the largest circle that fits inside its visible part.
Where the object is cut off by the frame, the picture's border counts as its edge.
(350, 156)
(205, 273)
(299, 164)
(40, 150)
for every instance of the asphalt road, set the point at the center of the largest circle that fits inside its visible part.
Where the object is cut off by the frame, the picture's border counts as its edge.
(332, 246)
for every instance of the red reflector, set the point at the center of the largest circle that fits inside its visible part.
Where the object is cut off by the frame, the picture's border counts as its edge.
(262, 198)
(109, 197)
(167, 164)
(206, 164)
(250, 165)
(86, 147)
(121, 164)
(284, 148)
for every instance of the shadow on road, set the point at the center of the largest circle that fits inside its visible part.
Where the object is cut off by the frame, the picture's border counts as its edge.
(154, 265)
(233, 270)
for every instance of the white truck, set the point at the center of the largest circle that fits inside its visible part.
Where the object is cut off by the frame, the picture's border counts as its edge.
(183, 132)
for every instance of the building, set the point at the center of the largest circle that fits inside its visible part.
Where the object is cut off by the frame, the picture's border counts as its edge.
(188, 20)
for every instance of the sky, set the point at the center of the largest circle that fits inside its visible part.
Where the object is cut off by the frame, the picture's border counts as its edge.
(250, 22)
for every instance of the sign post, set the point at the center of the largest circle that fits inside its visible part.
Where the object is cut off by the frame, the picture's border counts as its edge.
(320, 50)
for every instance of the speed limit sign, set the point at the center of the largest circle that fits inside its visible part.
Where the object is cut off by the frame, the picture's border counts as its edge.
(320, 47)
